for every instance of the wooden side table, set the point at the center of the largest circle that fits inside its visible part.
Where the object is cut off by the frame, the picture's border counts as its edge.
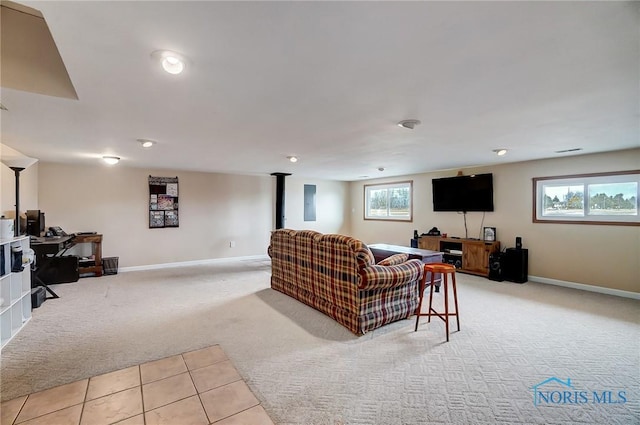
(96, 248)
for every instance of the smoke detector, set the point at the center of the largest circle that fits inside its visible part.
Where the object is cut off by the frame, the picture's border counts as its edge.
(408, 123)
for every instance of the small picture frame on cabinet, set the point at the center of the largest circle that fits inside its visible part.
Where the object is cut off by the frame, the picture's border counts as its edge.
(490, 234)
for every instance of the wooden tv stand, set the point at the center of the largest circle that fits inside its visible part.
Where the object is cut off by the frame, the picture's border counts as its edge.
(469, 255)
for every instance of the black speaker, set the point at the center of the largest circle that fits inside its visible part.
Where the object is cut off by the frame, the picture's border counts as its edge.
(518, 242)
(515, 263)
(495, 267)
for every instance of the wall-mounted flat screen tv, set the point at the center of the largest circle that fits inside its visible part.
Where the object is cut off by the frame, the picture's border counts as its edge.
(463, 193)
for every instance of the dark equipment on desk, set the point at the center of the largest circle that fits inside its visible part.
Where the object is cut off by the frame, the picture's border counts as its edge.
(47, 251)
(35, 223)
(61, 270)
(433, 232)
(57, 231)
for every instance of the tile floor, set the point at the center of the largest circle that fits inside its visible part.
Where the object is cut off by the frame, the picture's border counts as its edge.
(199, 387)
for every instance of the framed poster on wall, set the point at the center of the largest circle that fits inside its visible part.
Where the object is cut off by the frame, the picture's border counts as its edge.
(163, 202)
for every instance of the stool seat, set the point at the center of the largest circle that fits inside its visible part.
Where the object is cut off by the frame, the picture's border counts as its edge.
(440, 267)
(446, 270)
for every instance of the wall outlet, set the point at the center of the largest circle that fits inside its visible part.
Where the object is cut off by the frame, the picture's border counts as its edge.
(232, 244)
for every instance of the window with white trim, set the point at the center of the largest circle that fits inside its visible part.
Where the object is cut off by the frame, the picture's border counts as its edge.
(389, 201)
(600, 198)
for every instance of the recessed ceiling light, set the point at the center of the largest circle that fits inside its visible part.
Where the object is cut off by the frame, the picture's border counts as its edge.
(408, 124)
(146, 143)
(500, 152)
(380, 168)
(172, 62)
(111, 160)
(292, 158)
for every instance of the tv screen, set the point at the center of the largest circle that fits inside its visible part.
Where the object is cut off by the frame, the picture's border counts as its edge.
(463, 193)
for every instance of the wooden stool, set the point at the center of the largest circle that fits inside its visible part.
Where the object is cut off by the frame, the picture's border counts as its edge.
(445, 270)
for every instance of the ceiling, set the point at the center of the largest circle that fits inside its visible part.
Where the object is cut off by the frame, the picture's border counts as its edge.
(328, 82)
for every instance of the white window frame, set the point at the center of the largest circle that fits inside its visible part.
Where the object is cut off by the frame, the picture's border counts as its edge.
(368, 188)
(584, 181)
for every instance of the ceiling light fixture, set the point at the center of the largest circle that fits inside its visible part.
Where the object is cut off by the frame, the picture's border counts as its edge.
(292, 158)
(146, 143)
(111, 160)
(500, 152)
(380, 168)
(408, 123)
(172, 62)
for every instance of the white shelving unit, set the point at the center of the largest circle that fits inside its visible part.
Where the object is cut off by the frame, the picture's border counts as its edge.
(15, 291)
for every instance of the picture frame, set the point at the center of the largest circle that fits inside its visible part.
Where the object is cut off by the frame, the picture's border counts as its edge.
(489, 234)
(163, 202)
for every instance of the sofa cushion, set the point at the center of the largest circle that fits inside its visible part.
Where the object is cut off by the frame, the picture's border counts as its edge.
(383, 277)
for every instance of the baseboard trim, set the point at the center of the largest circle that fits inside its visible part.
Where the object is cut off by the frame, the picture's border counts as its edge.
(590, 288)
(192, 263)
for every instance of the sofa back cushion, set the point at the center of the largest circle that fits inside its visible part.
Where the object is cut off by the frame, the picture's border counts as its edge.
(323, 264)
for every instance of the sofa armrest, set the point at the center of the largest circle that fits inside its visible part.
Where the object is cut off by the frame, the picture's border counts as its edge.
(394, 259)
(384, 277)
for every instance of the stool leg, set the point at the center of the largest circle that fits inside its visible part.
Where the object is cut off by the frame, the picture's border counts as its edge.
(455, 298)
(431, 297)
(446, 305)
(421, 294)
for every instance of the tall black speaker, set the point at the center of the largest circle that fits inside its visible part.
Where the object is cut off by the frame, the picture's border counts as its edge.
(496, 271)
(515, 263)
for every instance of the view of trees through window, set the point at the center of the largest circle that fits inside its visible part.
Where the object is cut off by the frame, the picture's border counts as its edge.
(388, 201)
(603, 199)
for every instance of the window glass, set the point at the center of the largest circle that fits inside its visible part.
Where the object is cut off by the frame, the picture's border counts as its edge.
(602, 198)
(389, 201)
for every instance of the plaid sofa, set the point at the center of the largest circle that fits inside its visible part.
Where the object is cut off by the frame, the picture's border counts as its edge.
(337, 275)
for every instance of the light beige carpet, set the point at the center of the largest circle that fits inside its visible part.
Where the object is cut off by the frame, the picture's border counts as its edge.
(306, 369)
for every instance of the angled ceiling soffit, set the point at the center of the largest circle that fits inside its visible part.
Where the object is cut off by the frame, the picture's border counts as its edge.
(29, 58)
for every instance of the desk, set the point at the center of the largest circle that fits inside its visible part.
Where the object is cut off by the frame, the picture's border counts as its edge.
(96, 247)
(46, 249)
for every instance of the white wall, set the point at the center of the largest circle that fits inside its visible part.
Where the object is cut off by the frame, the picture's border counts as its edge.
(215, 209)
(332, 205)
(600, 255)
(218, 208)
